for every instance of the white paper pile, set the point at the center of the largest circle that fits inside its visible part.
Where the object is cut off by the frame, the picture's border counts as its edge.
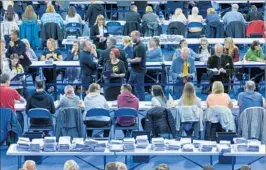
(23, 144)
(142, 141)
(223, 148)
(207, 146)
(129, 144)
(77, 145)
(158, 144)
(184, 141)
(100, 146)
(64, 144)
(197, 143)
(240, 140)
(36, 145)
(49, 144)
(116, 146)
(89, 145)
(254, 145)
(173, 144)
(188, 148)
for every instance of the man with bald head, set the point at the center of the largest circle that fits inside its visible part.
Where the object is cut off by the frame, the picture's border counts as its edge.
(224, 64)
(29, 165)
(138, 66)
(249, 98)
(233, 15)
(182, 70)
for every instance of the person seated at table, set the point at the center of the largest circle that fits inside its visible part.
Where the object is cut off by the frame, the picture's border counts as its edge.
(29, 165)
(29, 14)
(182, 70)
(52, 54)
(98, 33)
(162, 167)
(9, 96)
(73, 17)
(254, 14)
(95, 100)
(121, 166)
(204, 52)
(245, 167)
(14, 68)
(255, 54)
(154, 52)
(3, 59)
(233, 15)
(212, 16)
(149, 16)
(207, 167)
(69, 99)
(158, 98)
(220, 67)
(40, 99)
(231, 49)
(218, 97)
(71, 165)
(133, 15)
(194, 17)
(116, 71)
(127, 99)
(11, 15)
(179, 16)
(29, 51)
(50, 15)
(189, 97)
(150, 23)
(128, 46)
(249, 98)
(183, 43)
(73, 73)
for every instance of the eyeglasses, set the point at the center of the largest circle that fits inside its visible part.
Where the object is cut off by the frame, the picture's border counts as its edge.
(203, 44)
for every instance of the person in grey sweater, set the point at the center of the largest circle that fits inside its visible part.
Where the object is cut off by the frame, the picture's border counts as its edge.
(69, 99)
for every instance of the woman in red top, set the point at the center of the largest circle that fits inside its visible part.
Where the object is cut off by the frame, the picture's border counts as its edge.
(230, 49)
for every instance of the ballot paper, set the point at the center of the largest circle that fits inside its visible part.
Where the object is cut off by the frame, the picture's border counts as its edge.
(116, 146)
(158, 144)
(142, 141)
(64, 144)
(23, 144)
(188, 148)
(36, 145)
(172, 144)
(129, 144)
(240, 140)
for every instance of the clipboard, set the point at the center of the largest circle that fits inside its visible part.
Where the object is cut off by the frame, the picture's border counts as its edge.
(17, 77)
(108, 73)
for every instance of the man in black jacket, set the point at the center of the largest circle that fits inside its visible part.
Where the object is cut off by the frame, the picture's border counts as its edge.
(220, 67)
(40, 99)
(105, 54)
(133, 15)
(93, 11)
(17, 46)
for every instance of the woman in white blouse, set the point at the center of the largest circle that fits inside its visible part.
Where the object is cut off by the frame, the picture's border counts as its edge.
(179, 16)
(73, 16)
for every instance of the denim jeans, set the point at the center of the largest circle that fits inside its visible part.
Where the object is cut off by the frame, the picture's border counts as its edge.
(20, 118)
(137, 80)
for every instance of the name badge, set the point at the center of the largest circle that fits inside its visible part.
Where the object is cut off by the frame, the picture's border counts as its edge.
(105, 31)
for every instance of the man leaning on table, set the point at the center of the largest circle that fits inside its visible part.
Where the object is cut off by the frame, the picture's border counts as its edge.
(9, 96)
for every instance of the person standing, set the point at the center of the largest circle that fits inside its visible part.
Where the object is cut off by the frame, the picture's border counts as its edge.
(138, 66)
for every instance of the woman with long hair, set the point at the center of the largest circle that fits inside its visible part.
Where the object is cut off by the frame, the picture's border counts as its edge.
(158, 97)
(231, 49)
(189, 97)
(29, 14)
(99, 32)
(10, 14)
(73, 17)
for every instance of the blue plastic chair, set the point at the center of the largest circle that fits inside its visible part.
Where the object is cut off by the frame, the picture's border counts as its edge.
(74, 28)
(194, 25)
(39, 113)
(114, 28)
(126, 111)
(99, 112)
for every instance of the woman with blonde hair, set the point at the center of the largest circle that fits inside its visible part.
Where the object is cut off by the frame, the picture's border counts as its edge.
(29, 14)
(195, 17)
(149, 16)
(99, 32)
(179, 16)
(71, 165)
(212, 16)
(231, 49)
(50, 15)
(189, 97)
(128, 46)
(218, 97)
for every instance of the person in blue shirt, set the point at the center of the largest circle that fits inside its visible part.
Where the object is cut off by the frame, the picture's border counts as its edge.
(128, 46)
(249, 98)
(154, 52)
(212, 16)
(182, 70)
(183, 43)
(233, 15)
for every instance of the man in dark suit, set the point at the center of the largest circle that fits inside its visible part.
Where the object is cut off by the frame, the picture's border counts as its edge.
(105, 54)
(220, 67)
(133, 15)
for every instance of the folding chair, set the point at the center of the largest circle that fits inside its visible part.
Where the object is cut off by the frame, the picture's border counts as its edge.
(39, 113)
(114, 28)
(74, 29)
(96, 112)
(126, 112)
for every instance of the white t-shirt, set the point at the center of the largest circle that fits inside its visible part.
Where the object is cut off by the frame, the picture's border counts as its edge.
(75, 19)
(204, 55)
(101, 30)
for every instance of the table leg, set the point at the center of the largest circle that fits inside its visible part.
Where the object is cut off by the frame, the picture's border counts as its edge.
(104, 162)
(19, 162)
(233, 162)
(126, 160)
(54, 77)
(211, 162)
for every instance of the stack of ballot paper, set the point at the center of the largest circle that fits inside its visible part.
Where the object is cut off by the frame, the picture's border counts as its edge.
(64, 144)
(172, 144)
(100, 146)
(224, 146)
(89, 145)
(207, 146)
(158, 144)
(240, 140)
(129, 144)
(77, 145)
(36, 145)
(50, 144)
(142, 141)
(184, 141)
(116, 146)
(23, 144)
(254, 145)
(188, 148)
